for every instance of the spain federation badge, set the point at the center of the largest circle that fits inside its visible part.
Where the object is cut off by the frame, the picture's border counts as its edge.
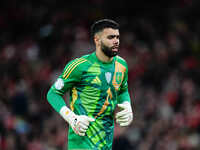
(108, 77)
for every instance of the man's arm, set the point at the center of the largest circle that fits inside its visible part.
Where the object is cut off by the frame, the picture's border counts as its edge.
(78, 123)
(125, 116)
(66, 80)
(123, 94)
(55, 100)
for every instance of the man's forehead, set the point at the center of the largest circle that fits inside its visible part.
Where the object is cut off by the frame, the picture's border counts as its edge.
(110, 31)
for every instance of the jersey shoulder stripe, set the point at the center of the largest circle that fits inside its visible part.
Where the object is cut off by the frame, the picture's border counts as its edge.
(72, 66)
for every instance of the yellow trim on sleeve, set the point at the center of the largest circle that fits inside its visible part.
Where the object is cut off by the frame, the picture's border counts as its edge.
(67, 75)
(71, 66)
(74, 98)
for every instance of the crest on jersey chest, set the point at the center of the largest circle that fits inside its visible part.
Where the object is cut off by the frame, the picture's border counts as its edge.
(108, 77)
(118, 77)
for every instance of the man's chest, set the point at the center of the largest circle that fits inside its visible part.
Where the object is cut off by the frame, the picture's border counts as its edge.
(103, 77)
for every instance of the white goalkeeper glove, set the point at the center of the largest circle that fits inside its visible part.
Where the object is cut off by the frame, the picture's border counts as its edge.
(125, 116)
(79, 123)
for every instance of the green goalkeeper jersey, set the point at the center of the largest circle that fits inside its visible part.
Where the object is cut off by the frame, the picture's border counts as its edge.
(95, 89)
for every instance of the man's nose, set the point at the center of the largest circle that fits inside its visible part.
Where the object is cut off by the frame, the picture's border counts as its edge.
(116, 41)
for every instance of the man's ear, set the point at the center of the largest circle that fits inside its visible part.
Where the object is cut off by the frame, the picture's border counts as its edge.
(96, 39)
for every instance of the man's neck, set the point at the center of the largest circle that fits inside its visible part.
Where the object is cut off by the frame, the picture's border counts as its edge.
(102, 57)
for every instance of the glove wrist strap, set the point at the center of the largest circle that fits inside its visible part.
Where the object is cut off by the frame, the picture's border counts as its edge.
(67, 114)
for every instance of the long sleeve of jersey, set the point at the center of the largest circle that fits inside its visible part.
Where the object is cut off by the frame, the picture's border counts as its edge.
(123, 94)
(56, 101)
(65, 81)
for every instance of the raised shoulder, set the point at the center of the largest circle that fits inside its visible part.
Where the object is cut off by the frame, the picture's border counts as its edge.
(121, 61)
(85, 56)
(73, 65)
(89, 58)
(78, 61)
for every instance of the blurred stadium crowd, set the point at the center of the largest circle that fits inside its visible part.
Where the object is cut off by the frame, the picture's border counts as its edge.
(38, 38)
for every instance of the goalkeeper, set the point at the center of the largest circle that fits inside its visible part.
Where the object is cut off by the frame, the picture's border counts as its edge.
(97, 83)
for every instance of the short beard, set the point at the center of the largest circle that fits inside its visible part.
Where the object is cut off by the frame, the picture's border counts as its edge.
(108, 51)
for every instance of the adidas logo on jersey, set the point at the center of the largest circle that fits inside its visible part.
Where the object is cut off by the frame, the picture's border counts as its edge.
(96, 81)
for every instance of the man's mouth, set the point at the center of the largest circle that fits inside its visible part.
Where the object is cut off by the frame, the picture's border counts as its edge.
(115, 48)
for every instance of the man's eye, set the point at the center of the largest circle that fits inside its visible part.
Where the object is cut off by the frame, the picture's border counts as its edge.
(113, 36)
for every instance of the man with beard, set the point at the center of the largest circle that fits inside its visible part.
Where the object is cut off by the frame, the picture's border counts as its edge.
(97, 83)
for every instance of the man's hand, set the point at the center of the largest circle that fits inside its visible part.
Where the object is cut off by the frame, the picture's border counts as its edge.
(125, 116)
(79, 123)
